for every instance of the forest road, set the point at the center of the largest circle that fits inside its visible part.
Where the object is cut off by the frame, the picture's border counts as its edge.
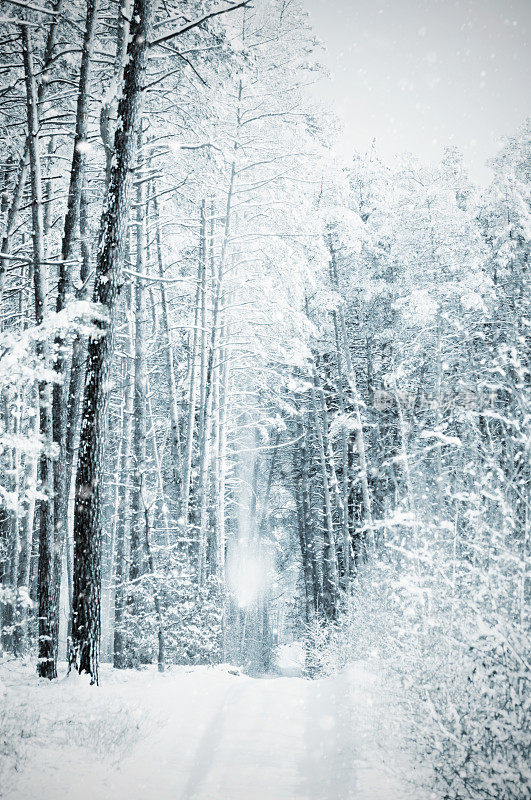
(207, 734)
(240, 738)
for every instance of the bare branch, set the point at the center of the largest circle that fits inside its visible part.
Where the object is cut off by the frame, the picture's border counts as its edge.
(190, 25)
(31, 7)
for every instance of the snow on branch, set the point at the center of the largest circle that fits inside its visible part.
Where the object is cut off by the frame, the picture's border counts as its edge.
(199, 21)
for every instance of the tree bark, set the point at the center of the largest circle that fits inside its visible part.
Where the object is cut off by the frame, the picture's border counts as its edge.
(192, 391)
(62, 475)
(29, 485)
(360, 439)
(175, 448)
(48, 593)
(123, 510)
(156, 598)
(330, 573)
(140, 386)
(84, 654)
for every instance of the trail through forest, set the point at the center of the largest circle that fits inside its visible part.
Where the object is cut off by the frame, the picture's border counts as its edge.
(206, 734)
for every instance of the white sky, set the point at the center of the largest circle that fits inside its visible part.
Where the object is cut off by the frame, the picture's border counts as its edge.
(419, 74)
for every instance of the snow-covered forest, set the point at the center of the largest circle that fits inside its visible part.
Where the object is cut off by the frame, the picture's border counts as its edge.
(264, 426)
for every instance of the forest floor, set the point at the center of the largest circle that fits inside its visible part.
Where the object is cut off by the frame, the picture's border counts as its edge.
(198, 734)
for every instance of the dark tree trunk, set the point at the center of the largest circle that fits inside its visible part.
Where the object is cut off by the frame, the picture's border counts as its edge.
(303, 542)
(84, 654)
(62, 474)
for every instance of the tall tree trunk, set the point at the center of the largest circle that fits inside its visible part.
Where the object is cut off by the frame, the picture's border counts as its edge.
(84, 655)
(77, 364)
(212, 393)
(108, 112)
(330, 573)
(158, 468)
(107, 127)
(310, 528)
(140, 387)
(175, 447)
(48, 593)
(12, 214)
(221, 454)
(204, 474)
(156, 598)
(345, 466)
(62, 475)
(360, 439)
(310, 599)
(123, 511)
(29, 488)
(12, 464)
(203, 332)
(192, 391)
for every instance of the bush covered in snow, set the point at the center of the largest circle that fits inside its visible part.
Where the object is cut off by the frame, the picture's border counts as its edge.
(191, 617)
(457, 663)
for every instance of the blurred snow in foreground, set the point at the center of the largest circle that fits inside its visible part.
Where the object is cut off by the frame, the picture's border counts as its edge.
(199, 734)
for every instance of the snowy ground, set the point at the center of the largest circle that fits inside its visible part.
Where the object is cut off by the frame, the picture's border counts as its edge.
(197, 734)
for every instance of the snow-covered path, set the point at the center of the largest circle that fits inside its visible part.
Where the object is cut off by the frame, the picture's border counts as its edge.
(206, 734)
